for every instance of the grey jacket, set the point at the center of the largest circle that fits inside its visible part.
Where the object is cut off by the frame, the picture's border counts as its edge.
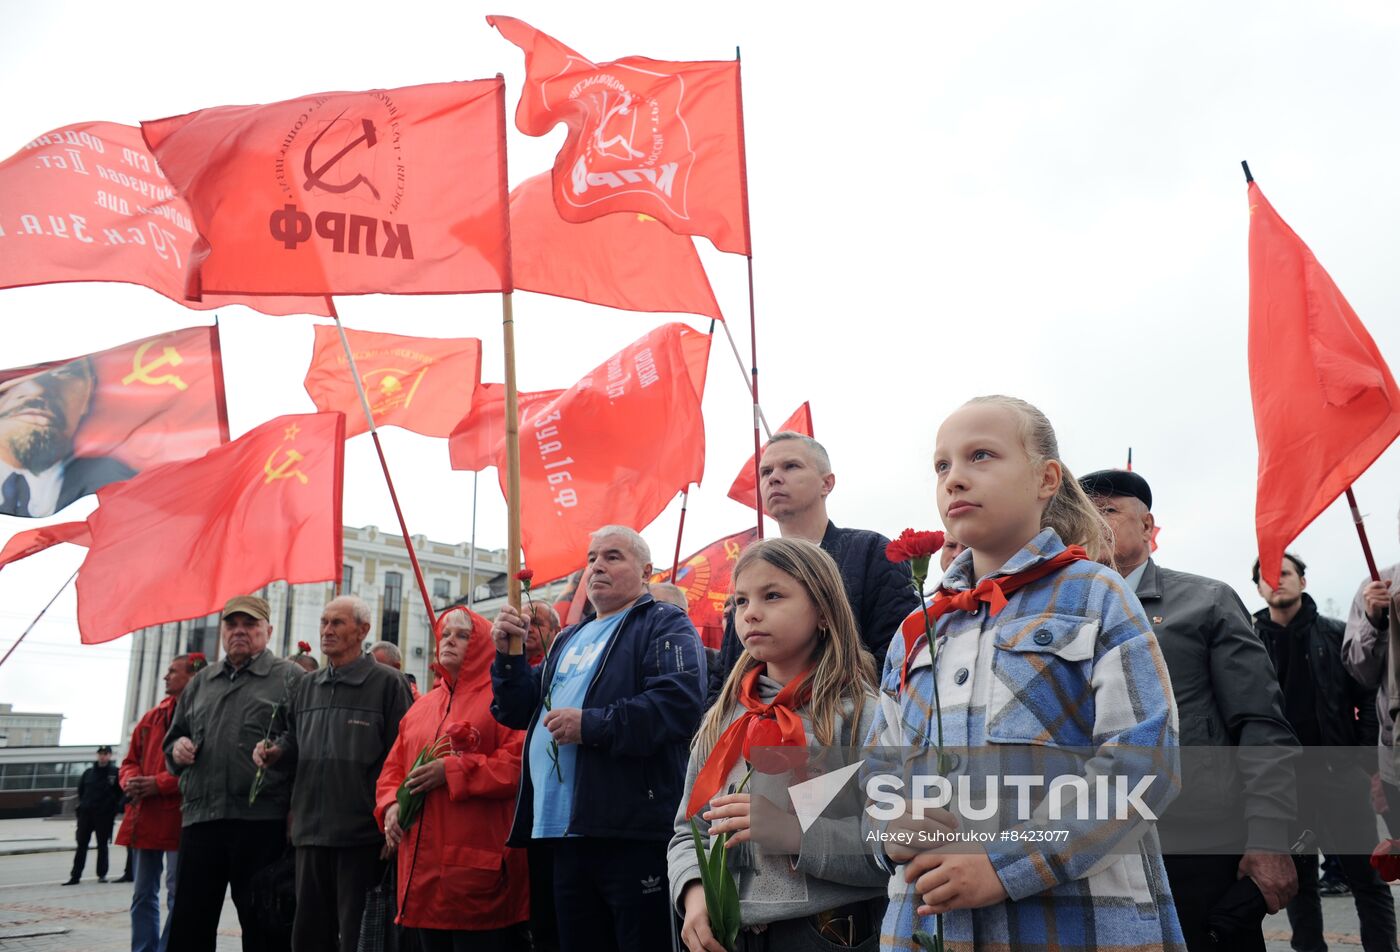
(1366, 654)
(1227, 695)
(340, 727)
(226, 713)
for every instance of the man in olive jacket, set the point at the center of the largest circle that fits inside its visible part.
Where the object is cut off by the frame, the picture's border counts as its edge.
(227, 835)
(342, 722)
(1233, 815)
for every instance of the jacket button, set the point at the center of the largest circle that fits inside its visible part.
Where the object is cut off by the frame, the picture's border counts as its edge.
(1043, 637)
(951, 761)
(961, 676)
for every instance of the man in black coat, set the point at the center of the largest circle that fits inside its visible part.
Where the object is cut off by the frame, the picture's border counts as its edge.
(1322, 702)
(98, 794)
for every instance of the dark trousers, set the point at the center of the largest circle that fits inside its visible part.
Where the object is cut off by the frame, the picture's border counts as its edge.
(90, 824)
(216, 856)
(544, 928)
(331, 887)
(611, 895)
(510, 939)
(1197, 884)
(1375, 906)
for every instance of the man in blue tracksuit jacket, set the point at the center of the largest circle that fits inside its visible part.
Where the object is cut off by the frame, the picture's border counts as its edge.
(610, 713)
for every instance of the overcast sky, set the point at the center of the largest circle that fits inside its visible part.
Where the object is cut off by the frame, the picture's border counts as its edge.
(1041, 199)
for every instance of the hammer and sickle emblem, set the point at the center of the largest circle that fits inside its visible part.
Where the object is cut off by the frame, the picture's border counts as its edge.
(731, 551)
(284, 470)
(141, 369)
(315, 177)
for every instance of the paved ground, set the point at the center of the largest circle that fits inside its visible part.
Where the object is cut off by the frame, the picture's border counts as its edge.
(38, 914)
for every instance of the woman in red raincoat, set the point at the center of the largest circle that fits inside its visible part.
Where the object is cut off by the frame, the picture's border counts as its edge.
(459, 887)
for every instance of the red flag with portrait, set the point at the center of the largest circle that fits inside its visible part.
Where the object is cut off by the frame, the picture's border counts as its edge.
(69, 427)
(423, 384)
(744, 489)
(661, 138)
(613, 449)
(1325, 403)
(707, 578)
(263, 508)
(87, 202)
(394, 191)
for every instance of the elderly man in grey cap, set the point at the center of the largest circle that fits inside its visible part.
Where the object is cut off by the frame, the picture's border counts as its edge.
(1232, 817)
(234, 819)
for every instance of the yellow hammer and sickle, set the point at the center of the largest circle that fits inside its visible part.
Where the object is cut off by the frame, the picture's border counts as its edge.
(140, 370)
(281, 470)
(731, 550)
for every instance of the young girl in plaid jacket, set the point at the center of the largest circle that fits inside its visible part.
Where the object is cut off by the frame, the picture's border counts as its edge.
(1039, 649)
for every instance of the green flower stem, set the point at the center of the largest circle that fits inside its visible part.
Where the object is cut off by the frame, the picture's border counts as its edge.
(927, 942)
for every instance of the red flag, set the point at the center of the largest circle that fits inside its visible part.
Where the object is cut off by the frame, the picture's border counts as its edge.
(479, 438)
(72, 426)
(31, 541)
(87, 202)
(707, 578)
(1325, 404)
(423, 384)
(664, 139)
(629, 261)
(396, 191)
(262, 508)
(612, 449)
(744, 489)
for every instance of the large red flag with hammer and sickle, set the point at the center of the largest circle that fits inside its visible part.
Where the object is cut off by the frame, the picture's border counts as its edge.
(614, 448)
(423, 384)
(661, 138)
(87, 202)
(69, 427)
(707, 578)
(1325, 403)
(394, 191)
(179, 540)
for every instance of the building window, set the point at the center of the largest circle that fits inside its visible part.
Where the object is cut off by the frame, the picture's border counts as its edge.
(442, 590)
(393, 595)
(204, 635)
(347, 580)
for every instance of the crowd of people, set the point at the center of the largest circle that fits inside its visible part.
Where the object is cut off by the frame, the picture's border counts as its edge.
(547, 790)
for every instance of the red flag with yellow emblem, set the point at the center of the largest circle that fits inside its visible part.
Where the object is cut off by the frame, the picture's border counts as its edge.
(69, 427)
(707, 578)
(423, 384)
(661, 138)
(392, 191)
(179, 540)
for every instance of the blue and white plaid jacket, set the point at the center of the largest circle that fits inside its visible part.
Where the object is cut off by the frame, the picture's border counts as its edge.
(1070, 662)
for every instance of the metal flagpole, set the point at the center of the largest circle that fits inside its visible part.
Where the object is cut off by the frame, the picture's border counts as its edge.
(471, 566)
(38, 616)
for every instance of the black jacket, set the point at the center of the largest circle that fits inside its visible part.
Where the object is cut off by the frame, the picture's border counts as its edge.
(639, 714)
(98, 791)
(881, 594)
(1338, 697)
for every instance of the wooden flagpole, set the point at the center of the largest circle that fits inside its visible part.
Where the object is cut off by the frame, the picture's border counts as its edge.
(38, 616)
(516, 645)
(680, 530)
(388, 480)
(1361, 533)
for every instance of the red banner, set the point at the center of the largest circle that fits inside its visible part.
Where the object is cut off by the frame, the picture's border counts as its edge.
(1325, 403)
(661, 138)
(745, 488)
(262, 508)
(423, 384)
(87, 202)
(614, 448)
(70, 427)
(398, 191)
(707, 578)
(32, 541)
(479, 438)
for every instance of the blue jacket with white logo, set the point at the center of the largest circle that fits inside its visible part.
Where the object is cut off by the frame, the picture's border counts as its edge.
(639, 715)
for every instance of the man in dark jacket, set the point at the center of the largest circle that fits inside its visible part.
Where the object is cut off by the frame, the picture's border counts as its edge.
(342, 722)
(795, 478)
(1234, 812)
(227, 834)
(609, 713)
(1322, 701)
(98, 794)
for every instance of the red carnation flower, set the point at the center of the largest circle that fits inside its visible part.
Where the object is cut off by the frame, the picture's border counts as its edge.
(526, 575)
(1386, 860)
(464, 737)
(769, 752)
(198, 661)
(304, 647)
(914, 545)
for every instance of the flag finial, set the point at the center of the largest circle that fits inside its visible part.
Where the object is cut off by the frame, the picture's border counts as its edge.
(1247, 176)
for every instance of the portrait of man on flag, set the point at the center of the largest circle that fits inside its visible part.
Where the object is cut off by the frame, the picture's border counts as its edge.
(68, 428)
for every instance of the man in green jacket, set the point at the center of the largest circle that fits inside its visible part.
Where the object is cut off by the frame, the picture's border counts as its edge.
(234, 817)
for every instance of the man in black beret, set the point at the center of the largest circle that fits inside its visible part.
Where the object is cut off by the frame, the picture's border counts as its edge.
(1233, 815)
